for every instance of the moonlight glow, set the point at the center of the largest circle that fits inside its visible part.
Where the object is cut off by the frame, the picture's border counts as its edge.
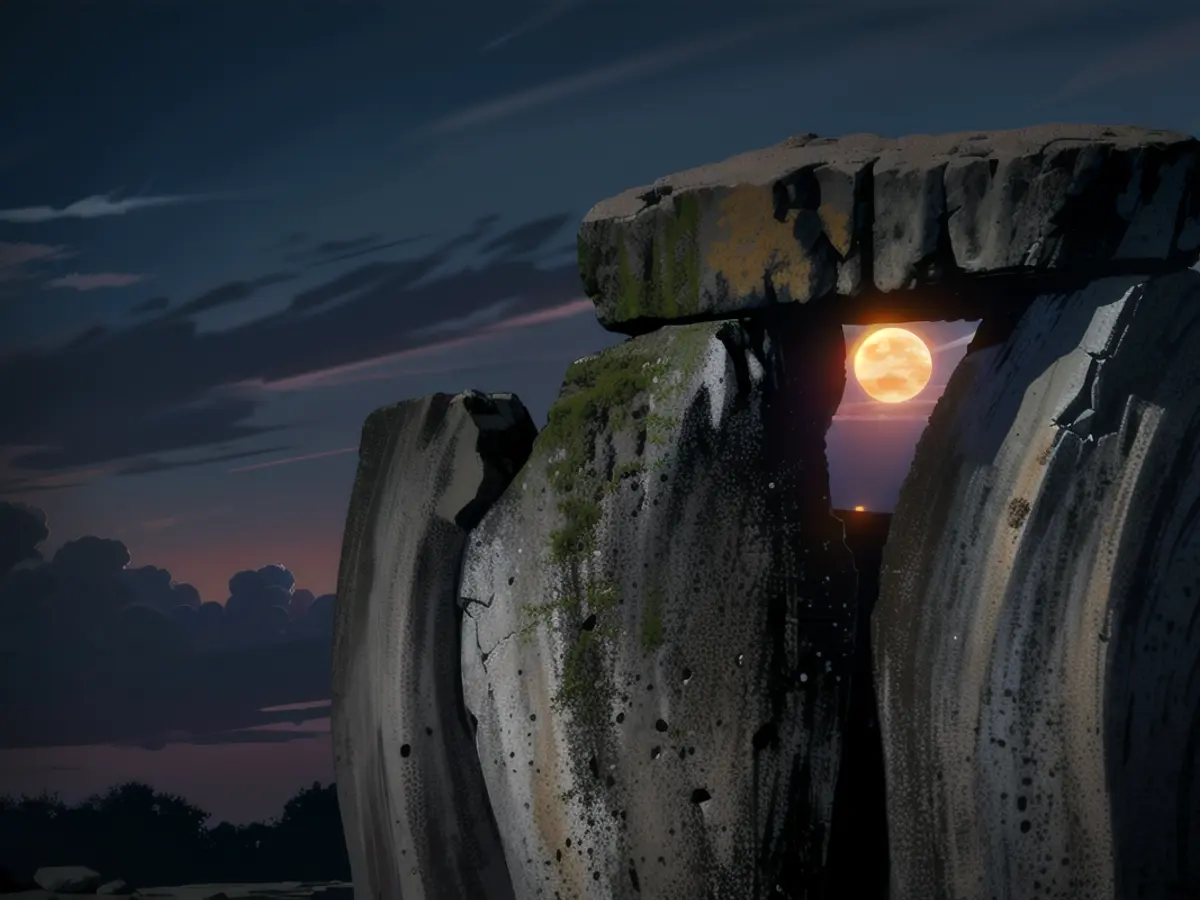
(893, 365)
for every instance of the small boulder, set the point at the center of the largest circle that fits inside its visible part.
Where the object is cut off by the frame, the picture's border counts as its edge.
(67, 879)
(113, 888)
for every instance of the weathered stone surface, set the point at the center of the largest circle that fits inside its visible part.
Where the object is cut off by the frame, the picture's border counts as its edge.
(1035, 636)
(67, 879)
(113, 888)
(864, 215)
(660, 615)
(412, 798)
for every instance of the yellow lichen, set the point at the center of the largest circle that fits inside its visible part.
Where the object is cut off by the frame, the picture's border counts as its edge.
(758, 245)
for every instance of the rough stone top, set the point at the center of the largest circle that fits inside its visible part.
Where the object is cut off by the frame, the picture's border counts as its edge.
(859, 214)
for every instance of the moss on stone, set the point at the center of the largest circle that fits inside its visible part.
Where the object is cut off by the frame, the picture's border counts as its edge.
(589, 263)
(598, 397)
(674, 288)
(652, 623)
(659, 428)
(631, 290)
(629, 469)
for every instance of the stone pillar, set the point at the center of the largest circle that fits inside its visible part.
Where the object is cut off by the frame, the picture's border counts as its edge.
(660, 620)
(1035, 635)
(415, 812)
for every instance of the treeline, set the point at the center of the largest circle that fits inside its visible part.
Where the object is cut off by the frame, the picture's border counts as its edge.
(146, 837)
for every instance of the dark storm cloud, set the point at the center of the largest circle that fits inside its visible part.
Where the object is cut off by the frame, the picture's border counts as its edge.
(22, 529)
(332, 248)
(527, 238)
(230, 293)
(159, 386)
(336, 248)
(96, 651)
(114, 430)
(363, 251)
(154, 304)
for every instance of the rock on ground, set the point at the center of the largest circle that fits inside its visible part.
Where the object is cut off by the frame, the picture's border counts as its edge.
(660, 613)
(67, 879)
(864, 215)
(412, 798)
(1035, 637)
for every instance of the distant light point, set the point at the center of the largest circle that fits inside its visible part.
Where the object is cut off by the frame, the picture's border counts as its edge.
(860, 509)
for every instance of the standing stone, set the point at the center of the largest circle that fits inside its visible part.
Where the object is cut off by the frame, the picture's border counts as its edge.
(863, 216)
(660, 621)
(1036, 635)
(416, 816)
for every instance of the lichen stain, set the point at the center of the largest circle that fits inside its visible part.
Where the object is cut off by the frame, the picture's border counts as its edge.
(758, 246)
(549, 813)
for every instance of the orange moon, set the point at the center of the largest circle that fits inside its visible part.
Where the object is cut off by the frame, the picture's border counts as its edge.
(893, 365)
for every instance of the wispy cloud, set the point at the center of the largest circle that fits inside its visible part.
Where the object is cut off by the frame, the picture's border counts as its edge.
(369, 369)
(595, 79)
(914, 410)
(951, 345)
(287, 461)
(94, 207)
(1160, 51)
(543, 17)
(14, 257)
(486, 316)
(94, 280)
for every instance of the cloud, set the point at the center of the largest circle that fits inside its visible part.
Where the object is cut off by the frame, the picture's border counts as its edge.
(230, 293)
(954, 344)
(1162, 50)
(296, 459)
(95, 206)
(95, 280)
(474, 319)
(154, 465)
(528, 238)
(162, 386)
(596, 79)
(15, 256)
(154, 304)
(369, 369)
(22, 529)
(350, 248)
(98, 651)
(549, 13)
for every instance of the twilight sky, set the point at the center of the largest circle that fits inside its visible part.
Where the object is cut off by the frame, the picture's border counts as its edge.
(229, 230)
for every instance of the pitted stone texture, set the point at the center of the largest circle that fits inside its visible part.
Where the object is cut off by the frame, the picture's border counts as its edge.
(412, 797)
(1035, 634)
(659, 622)
(864, 214)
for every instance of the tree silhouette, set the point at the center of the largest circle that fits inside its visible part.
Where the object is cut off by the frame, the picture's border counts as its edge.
(147, 837)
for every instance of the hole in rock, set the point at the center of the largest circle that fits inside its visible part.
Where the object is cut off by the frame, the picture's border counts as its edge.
(895, 374)
(892, 385)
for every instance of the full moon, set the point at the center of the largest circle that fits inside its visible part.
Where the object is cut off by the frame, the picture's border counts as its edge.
(893, 365)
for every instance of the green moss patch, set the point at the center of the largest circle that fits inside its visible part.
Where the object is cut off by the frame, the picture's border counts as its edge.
(667, 285)
(652, 623)
(674, 288)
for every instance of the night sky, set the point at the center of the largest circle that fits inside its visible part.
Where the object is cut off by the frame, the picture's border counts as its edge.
(231, 229)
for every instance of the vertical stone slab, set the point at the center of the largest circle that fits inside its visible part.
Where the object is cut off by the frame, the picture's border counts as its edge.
(660, 621)
(1036, 639)
(417, 821)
